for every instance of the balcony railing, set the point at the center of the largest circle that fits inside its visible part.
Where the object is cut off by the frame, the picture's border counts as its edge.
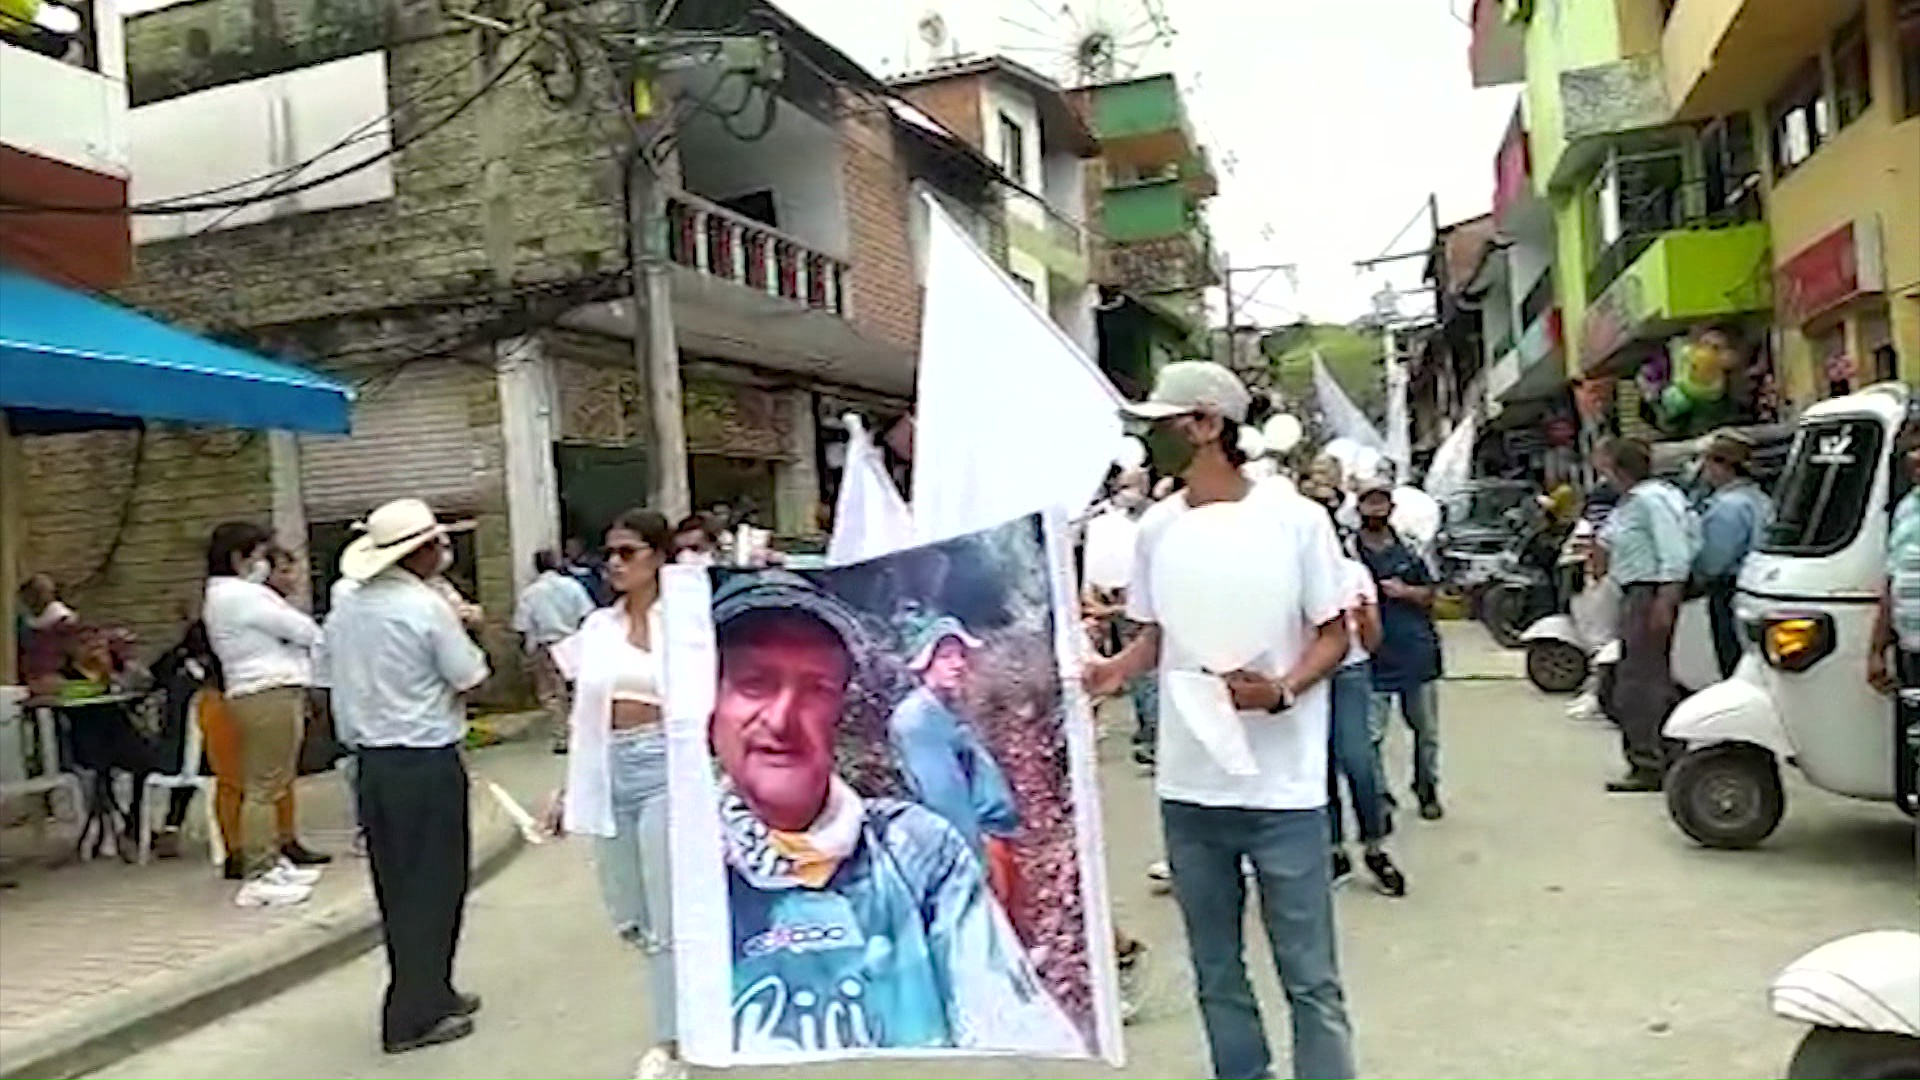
(1538, 301)
(1644, 219)
(62, 29)
(733, 247)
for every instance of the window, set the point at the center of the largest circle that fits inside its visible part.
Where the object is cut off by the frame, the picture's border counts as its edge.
(1800, 119)
(1906, 17)
(1823, 496)
(1852, 71)
(1727, 154)
(1027, 285)
(1013, 149)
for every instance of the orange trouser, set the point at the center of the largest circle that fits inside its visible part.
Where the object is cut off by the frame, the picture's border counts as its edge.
(222, 740)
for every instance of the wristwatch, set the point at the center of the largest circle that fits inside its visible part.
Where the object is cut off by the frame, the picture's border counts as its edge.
(1287, 699)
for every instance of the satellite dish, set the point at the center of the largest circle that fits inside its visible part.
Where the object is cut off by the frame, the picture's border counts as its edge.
(933, 30)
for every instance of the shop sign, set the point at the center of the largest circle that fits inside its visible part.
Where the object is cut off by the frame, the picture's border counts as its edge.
(1837, 268)
(1613, 320)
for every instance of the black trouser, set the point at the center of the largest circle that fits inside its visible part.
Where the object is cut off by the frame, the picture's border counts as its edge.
(1726, 633)
(413, 805)
(1643, 688)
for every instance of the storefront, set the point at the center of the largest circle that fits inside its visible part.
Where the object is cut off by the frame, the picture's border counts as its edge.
(1677, 378)
(1836, 319)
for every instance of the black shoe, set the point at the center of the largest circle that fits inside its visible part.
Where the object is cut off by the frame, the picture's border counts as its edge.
(466, 1004)
(233, 870)
(1342, 868)
(1430, 808)
(1639, 780)
(300, 855)
(449, 1029)
(1391, 880)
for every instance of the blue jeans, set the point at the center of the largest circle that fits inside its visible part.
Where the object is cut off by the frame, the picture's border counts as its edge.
(634, 867)
(1288, 850)
(1421, 708)
(1352, 753)
(1145, 692)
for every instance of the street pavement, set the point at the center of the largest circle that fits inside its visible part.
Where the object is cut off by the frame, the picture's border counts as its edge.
(1551, 930)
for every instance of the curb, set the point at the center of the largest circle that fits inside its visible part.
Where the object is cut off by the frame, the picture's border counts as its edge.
(123, 1023)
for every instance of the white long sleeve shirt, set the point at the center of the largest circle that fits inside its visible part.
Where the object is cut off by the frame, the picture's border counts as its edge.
(262, 641)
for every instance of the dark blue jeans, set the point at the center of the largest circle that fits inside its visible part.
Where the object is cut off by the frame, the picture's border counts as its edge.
(1352, 753)
(1288, 850)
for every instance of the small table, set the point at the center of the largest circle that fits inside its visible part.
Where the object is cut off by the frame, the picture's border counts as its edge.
(104, 818)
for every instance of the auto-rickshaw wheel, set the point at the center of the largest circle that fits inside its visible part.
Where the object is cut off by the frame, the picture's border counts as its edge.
(1726, 796)
(1843, 1054)
(1556, 667)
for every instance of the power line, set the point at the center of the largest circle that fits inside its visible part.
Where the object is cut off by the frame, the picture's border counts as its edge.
(17, 206)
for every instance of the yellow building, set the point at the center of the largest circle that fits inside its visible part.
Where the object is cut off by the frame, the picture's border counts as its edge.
(1832, 88)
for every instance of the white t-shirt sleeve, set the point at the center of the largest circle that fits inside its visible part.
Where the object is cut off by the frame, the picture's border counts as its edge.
(1360, 586)
(1322, 596)
(1140, 605)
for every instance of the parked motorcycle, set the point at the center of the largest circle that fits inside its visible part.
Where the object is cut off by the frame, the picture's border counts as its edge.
(1861, 994)
(1528, 586)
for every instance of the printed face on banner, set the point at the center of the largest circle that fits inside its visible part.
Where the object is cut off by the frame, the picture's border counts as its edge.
(882, 810)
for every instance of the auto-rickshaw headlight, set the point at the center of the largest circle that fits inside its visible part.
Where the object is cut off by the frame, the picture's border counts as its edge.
(1796, 643)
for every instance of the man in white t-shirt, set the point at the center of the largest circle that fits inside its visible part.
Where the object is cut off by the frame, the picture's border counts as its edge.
(1275, 819)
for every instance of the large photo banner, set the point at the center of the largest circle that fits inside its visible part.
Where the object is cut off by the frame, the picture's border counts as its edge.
(885, 825)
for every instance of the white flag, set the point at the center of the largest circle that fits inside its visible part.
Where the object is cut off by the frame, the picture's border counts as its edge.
(1012, 417)
(1343, 418)
(870, 519)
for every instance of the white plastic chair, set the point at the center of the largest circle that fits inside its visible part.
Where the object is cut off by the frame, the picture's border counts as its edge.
(188, 777)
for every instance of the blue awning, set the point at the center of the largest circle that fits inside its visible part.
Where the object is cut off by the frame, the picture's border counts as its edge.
(63, 351)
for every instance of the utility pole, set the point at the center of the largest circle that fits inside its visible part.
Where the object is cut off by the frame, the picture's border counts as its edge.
(656, 347)
(1227, 274)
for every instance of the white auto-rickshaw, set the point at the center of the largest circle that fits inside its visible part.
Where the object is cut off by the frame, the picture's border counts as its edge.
(1806, 607)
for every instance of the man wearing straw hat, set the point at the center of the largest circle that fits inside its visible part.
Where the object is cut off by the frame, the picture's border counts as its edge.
(398, 663)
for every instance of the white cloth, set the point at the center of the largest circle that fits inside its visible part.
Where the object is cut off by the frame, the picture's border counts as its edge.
(596, 660)
(870, 519)
(54, 614)
(552, 607)
(398, 661)
(1342, 417)
(1358, 588)
(262, 641)
(1012, 417)
(1290, 749)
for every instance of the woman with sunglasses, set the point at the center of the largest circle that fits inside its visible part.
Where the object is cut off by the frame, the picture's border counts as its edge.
(617, 762)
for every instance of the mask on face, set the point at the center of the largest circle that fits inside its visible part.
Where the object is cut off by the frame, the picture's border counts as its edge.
(1375, 522)
(1169, 450)
(258, 571)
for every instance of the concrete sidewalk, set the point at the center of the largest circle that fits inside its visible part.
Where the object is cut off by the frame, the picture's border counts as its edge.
(99, 959)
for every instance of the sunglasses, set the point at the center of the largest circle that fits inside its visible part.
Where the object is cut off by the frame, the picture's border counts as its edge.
(627, 552)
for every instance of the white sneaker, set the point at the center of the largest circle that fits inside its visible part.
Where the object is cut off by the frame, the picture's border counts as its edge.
(1160, 875)
(285, 873)
(660, 1063)
(263, 891)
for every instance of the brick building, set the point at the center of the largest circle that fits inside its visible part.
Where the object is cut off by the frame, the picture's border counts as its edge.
(470, 278)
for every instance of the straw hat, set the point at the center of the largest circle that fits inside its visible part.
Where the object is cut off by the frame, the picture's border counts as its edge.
(390, 534)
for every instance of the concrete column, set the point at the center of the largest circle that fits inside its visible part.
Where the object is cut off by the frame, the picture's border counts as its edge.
(290, 505)
(796, 481)
(525, 374)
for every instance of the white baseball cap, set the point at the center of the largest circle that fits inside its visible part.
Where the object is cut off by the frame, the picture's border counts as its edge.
(1192, 386)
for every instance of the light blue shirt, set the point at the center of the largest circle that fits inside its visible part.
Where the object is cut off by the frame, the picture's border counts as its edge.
(950, 771)
(398, 661)
(1651, 537)
(1903, 566)
(551, 609)
(1732, 524)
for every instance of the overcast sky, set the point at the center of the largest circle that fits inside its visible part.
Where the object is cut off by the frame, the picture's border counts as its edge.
(1339, 116)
